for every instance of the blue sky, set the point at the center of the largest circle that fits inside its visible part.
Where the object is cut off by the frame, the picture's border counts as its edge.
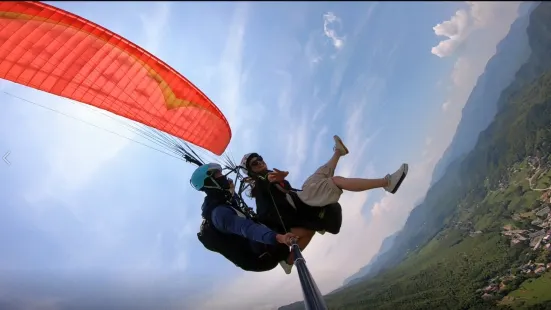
(93, 214)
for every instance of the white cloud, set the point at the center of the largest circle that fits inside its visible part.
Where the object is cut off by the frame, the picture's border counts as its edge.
(330, 20)
(428, 141)
(484, 12)
(315, 49)
(455, 29)
(463, 71)
(477, 15)
(445, 106)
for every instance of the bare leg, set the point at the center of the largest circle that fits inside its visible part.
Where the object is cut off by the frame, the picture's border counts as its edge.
(339, 151)
(334, 160)
(305, 235)
(359, 185)
(328, 169)
(391, 182)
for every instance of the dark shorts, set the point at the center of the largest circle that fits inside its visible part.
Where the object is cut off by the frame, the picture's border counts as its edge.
(328, 218)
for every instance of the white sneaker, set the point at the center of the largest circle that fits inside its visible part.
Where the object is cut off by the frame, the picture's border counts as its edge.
(395, 179)
(339, 146)
(286, 267)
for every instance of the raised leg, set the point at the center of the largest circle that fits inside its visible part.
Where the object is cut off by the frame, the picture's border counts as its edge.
(359, 185)
(391, 182)
(339, 150)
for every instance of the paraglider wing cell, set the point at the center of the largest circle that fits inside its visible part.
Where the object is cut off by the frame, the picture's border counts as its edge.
(46, 48)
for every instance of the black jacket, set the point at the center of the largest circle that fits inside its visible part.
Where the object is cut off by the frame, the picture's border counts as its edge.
(266, 193)
(267, 196)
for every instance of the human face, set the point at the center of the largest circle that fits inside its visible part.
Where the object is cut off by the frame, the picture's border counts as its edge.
(216, 174)
(257, 164)
(214, 170)
(219, 179)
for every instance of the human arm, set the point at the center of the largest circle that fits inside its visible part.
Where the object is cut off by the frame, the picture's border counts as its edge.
(277, 175)
(271, 180)
(267, 195)
(225, 219)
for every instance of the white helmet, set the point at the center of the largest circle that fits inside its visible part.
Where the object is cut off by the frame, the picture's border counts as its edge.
(245, 161)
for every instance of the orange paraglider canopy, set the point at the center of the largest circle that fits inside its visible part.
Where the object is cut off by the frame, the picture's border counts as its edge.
(52, 50)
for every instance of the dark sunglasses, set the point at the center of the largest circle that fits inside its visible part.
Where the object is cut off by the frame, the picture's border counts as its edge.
(255, 162)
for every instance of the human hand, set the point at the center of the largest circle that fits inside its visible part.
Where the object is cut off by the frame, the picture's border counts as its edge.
(277, 175)
(286, 239)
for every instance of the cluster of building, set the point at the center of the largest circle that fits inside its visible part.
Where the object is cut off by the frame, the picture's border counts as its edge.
(499, 284)
(535, 268)
(495, 285)
(536, 238)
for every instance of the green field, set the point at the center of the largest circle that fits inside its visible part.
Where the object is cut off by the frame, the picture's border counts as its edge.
(531, 292)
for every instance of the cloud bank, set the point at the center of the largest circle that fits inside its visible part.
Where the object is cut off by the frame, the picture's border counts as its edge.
(476, 16)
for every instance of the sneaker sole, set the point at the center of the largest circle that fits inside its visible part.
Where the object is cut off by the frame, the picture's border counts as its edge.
(404, 174)
(339, 141)
(285, 269)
